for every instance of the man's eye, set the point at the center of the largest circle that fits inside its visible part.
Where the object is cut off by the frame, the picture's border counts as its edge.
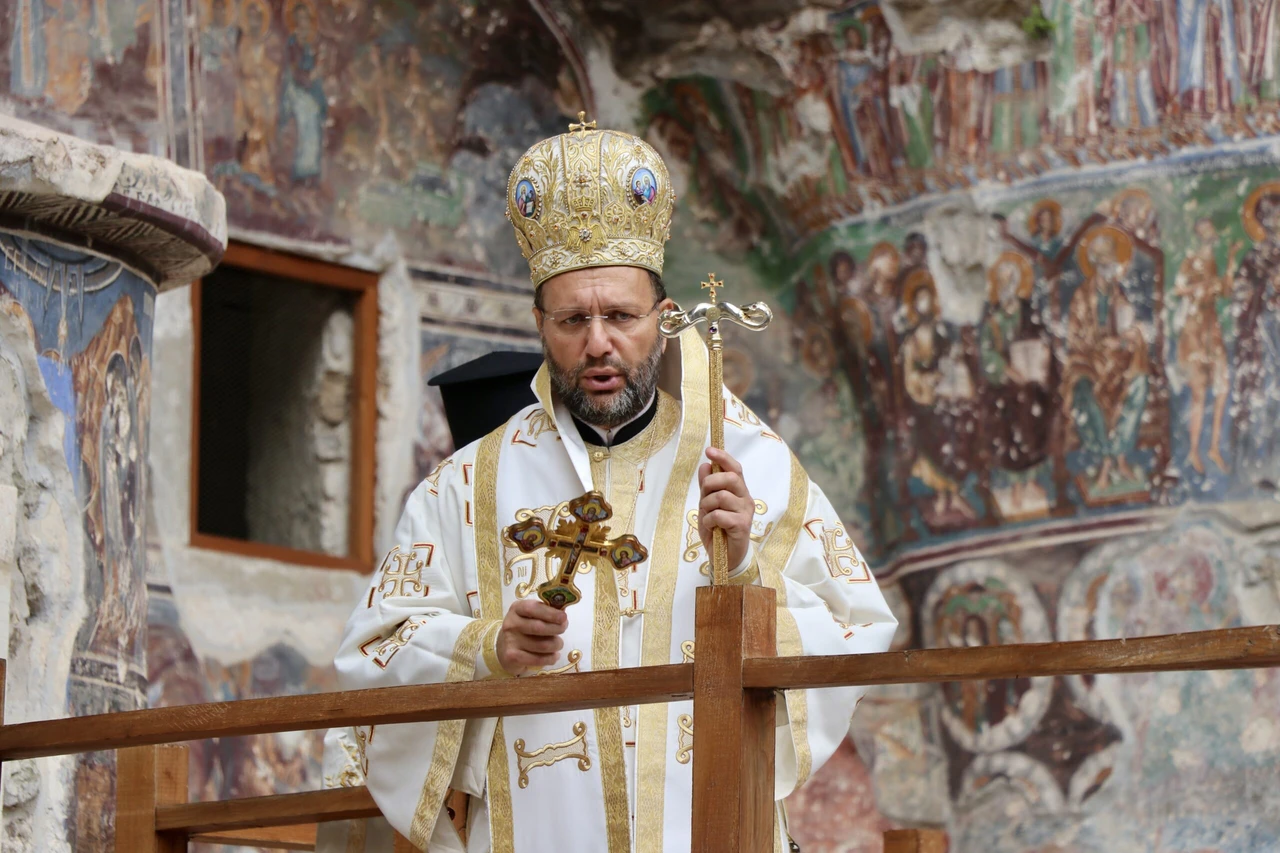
(621, 316)
(574, 320)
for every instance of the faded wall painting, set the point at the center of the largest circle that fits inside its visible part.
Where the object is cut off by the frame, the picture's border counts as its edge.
(230, 768)
(859, 126)
(91, 321)
(1159, 763)
(91, 68)
(336, 122)
(1106, 356)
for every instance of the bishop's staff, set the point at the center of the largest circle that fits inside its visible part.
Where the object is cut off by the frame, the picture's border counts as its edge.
(755, 317)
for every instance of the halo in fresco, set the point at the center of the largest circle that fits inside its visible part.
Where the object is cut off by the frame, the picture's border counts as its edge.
(1120, 241)
(1249, 214)
(986, 603)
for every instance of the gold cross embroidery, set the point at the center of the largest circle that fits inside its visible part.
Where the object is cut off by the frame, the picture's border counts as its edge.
(713, 286)
(403, 580)
(581, 126)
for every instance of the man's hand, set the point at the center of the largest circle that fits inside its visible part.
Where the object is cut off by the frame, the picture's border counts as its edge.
(530, 636)
(726, 504)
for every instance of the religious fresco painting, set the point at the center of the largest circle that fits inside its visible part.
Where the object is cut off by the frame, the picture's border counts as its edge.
(1096, 376)
(334, 121)
(862, 126)
(229, 768)
(90, 321)
(89, 68)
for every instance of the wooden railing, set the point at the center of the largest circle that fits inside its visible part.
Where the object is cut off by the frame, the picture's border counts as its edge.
(734, 680)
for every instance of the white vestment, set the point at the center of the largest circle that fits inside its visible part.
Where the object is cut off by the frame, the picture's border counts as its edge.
(617, 779)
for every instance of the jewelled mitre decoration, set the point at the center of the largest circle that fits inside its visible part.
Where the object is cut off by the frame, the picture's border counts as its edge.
(590, 198)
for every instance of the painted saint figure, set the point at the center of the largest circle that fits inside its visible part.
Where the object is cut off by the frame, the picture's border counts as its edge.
(1208, 66)
(256, 99)
(1202, 355)
(1106, 379)
(303, 103)
(1014, 352)
(1256, 388)
(938, 386)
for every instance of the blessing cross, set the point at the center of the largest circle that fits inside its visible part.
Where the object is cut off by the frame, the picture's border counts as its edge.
(755, 317)
(582, 536)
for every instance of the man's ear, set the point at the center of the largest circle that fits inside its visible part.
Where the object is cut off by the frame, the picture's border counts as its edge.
(538, 317)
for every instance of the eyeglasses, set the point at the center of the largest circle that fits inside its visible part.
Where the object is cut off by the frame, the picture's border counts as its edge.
(572, 322)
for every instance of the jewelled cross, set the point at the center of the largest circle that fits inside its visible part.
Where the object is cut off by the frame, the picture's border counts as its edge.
(582, 125)
(755, 316)
(712, 286)
(581, 536)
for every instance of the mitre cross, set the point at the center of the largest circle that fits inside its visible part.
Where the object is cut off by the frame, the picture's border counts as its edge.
(581, 126)
(583, 535)
(755, 316)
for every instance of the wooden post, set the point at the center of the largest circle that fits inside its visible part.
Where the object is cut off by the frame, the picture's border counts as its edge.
(146, 777)
(404, 845)
(733, 806)
(915, 841)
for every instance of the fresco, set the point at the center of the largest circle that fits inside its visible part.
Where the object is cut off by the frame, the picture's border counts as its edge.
(91, 323)
(1094, 375)
(89, 68)
(1158, 763)
(860, 126)
(234, 767)
(336, 121)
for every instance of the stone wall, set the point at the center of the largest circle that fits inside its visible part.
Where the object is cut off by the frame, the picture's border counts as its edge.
(87, 235)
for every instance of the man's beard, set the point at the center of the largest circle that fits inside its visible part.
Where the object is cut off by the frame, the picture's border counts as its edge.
(640, 380)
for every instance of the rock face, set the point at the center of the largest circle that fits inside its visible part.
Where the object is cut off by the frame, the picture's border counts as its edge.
(75, 381)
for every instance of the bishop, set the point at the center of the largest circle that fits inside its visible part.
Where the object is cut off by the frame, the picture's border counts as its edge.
(624, 411)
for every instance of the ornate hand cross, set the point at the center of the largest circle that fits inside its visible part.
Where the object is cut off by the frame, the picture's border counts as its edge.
(584, 535)
(755, 316)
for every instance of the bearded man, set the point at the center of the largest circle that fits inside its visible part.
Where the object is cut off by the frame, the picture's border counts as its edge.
(622, 411)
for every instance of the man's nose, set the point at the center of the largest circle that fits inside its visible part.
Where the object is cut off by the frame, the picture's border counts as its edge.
(599, 341)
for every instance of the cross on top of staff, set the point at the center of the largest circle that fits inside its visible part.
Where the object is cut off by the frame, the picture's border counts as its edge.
(712, 285)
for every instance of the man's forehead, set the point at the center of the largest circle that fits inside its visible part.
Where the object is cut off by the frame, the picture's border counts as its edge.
(604, 283)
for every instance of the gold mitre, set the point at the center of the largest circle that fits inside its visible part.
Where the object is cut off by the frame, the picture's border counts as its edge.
(590, 198)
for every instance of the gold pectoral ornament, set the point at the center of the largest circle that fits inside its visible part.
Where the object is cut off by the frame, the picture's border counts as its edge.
(581, 536)
(755, 317)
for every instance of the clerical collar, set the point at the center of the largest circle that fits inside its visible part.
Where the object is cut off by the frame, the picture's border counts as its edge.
(620, 434)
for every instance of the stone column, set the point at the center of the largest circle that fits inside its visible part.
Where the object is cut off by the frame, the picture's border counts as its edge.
(88, 236)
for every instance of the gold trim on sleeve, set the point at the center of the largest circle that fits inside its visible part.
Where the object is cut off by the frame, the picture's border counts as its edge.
(489, 648)
(444, 755)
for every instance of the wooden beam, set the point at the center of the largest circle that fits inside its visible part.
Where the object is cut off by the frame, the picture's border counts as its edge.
(286, 265)
(1233, 648)
(273, 838)
(147, 779)
(259, 812)
(732, 729)
(380, 706)
(915, 841)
